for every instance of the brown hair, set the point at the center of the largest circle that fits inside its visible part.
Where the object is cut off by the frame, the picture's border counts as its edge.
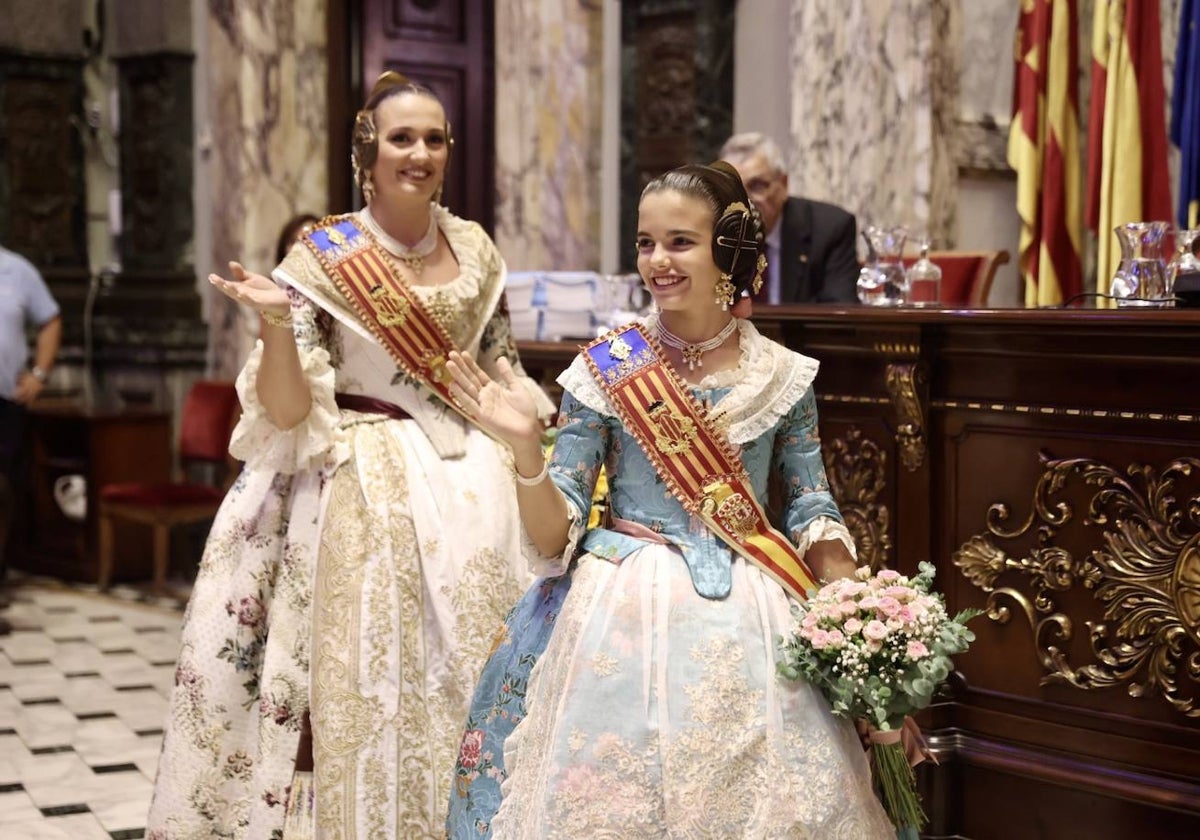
(290, 233)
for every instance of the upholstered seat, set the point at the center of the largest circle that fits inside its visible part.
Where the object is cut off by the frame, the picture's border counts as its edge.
(209, 413)
(966, 275)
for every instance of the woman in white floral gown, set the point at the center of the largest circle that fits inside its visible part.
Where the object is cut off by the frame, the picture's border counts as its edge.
(655, 709)
(361, 563)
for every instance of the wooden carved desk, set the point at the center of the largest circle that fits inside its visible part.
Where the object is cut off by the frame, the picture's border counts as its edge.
(1048, 463)
(104, 447)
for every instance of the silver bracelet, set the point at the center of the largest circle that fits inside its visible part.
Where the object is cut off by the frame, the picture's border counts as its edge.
(537, 479)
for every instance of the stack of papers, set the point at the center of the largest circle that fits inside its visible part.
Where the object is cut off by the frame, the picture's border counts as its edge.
(522, 288)
(570, 300)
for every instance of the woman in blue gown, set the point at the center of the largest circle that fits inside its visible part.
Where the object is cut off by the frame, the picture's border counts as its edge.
(637, 697)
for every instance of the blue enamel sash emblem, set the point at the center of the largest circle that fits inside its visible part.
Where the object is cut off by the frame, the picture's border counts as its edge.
(338, 240)
(621, 353)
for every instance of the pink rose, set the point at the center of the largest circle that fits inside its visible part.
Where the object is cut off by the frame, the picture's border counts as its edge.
(835, 639)
(852, 626)
(917, 650)
(875, 630)
(471, 749)
(888, 575)
(820, 639)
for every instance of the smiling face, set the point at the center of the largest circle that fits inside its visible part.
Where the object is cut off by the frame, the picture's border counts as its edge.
(413, 147)
(674, 248)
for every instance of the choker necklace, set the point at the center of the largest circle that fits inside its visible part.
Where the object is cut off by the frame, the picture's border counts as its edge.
(413, 257)
(692, 353)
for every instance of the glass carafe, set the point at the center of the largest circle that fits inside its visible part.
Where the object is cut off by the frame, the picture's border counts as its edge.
(1141, 278)
(924, 277)
(882, 281)
(1185, 264)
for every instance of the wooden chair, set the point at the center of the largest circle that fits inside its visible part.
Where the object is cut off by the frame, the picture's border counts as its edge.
(209, 414)
(966, 275)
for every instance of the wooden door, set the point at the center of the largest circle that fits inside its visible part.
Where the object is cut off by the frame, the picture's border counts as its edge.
(448, 46)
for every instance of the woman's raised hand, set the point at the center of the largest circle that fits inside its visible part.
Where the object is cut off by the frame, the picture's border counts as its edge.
(254, 290)
(503, 408)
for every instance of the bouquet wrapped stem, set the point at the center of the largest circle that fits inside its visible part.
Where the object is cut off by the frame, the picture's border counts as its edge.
(897, 784)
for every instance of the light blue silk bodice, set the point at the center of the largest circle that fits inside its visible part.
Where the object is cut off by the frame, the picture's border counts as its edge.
(791, 449)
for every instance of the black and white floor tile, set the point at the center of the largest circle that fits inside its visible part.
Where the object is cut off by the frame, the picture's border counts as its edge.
(84, 680)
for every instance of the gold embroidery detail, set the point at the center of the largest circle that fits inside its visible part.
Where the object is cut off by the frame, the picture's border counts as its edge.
(391, 309)
(673, 432)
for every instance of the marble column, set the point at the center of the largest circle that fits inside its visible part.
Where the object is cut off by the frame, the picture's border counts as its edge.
(263, 144)
(874, 85)
(549, 94)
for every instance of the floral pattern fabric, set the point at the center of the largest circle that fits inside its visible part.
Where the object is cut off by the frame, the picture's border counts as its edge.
(357, 570)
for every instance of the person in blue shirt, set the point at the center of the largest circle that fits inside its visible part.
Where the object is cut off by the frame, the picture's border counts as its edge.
(24, 301)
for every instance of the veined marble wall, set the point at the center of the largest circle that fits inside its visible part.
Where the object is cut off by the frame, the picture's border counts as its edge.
(263, 145)
(548, 74)
(874, 85)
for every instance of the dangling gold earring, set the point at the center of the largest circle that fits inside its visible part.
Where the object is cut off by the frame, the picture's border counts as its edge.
(437, 194)
(368, 190)
(725, 291)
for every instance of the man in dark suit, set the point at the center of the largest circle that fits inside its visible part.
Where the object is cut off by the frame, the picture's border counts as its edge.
(810, 244)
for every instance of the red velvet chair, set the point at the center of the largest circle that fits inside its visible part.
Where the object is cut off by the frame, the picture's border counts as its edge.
(966, 275)
(210, 412)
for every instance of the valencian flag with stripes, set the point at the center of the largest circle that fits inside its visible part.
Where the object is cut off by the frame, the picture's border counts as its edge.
(1043, 148)
(1185, 114)
(1127, 132)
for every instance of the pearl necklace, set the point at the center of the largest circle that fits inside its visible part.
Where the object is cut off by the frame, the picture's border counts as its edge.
(413, 257)
(692, 353)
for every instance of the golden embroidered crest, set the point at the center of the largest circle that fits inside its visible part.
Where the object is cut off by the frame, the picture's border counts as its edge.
(730, 508)
(391, 309)
(673, 432)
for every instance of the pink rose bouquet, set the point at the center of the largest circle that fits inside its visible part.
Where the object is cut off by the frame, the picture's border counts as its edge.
(878, 647)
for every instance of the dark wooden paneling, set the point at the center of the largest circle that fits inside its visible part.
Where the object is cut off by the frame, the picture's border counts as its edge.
(447, 46)
(1048, 463)
(41, 161)
(156, 161)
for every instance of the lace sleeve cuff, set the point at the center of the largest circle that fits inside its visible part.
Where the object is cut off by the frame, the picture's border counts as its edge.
(261, 444)
(541, 565)
(823, 528)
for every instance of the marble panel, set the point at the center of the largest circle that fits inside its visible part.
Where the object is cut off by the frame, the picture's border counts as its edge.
(871, 84)
(548, 63)
(263, 72)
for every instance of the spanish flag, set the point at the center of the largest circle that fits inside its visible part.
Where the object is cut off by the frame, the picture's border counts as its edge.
(1043, 148)
(1127, 133)
(1185, 114)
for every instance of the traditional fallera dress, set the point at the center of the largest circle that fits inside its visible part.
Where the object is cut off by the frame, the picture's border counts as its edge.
(654, 708)
(359, 567)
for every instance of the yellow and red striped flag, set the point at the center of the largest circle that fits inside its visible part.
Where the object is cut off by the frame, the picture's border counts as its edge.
(1128, 179)
(1043, 147)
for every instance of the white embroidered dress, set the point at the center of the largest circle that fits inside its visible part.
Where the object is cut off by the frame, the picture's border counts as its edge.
(383, 553)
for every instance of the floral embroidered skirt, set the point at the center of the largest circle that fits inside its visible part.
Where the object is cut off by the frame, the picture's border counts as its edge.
(390, 576)
(655, 712)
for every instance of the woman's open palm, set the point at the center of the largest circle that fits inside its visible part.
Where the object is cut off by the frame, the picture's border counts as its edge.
(252, 289)
(504, 408)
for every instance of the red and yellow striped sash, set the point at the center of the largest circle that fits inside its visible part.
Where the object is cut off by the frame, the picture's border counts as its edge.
(385, 304)
(697, 463)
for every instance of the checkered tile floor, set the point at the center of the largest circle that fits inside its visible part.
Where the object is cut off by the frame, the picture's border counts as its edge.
(84, 680)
